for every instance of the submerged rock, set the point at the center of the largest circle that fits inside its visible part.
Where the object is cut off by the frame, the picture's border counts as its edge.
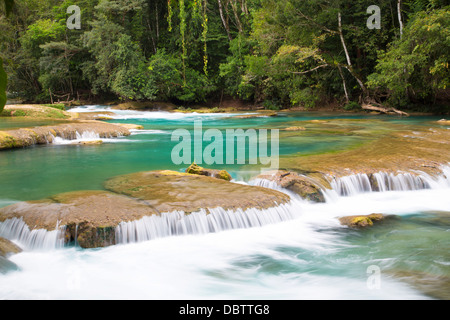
(295, 129)
(436, 286)
(259, 114)
(363, 221)
(301, 185)
(89, 143)
(7, 248)
(129, 126)
(7, 266)
(219, 174)
(168, 191)
(444, 122)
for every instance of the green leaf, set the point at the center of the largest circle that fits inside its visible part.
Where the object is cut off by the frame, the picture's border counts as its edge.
(3, 81)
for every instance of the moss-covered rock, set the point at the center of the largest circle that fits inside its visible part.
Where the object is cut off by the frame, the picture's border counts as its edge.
(363, 221)
(219, 174)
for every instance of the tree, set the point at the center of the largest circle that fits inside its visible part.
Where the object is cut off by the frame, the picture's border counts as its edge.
(416, 67)
(3, 76)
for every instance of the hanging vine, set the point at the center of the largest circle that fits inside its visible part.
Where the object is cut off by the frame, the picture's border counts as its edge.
(198, 9)
(204, 37)
(183, 37)
(170, 15)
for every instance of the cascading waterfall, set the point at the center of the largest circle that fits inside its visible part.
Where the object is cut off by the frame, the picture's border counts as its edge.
(17, 230)
(202, 222)
(329, 195)
(384, 182)
(84, 136)
(218, 219)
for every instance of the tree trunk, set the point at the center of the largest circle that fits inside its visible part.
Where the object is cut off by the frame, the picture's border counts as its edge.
(349, 66)
(341, 34)
(344, 84)
(400, 21)
(236, 16)
(382, 109)
(222, 17)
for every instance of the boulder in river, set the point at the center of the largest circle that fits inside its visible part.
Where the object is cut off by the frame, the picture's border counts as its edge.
(363, 221)
(219, 174)
(301, 185)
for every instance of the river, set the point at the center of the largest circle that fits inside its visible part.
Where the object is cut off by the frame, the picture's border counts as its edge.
(308, 256)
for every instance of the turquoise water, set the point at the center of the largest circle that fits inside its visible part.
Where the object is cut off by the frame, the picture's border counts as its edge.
(311, 257)
(40, 171)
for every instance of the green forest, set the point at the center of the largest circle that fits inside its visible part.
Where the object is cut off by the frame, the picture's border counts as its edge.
(274, 53)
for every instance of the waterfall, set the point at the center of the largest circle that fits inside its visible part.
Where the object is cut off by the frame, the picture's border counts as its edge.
(384, 182)
(215, 220)
(202, 222)
(17, 230)
(351, 185)
(85, 136)
(329, 195)
(157, 226)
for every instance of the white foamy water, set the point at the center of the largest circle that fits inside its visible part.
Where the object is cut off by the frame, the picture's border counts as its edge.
(89, 136)
(152, 115)
(202, 222)
(384, 182)
(185, 263)
(210, 266)
(40, 239)
(280, 253)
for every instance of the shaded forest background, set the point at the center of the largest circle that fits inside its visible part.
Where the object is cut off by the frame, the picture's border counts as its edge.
(275, 53)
